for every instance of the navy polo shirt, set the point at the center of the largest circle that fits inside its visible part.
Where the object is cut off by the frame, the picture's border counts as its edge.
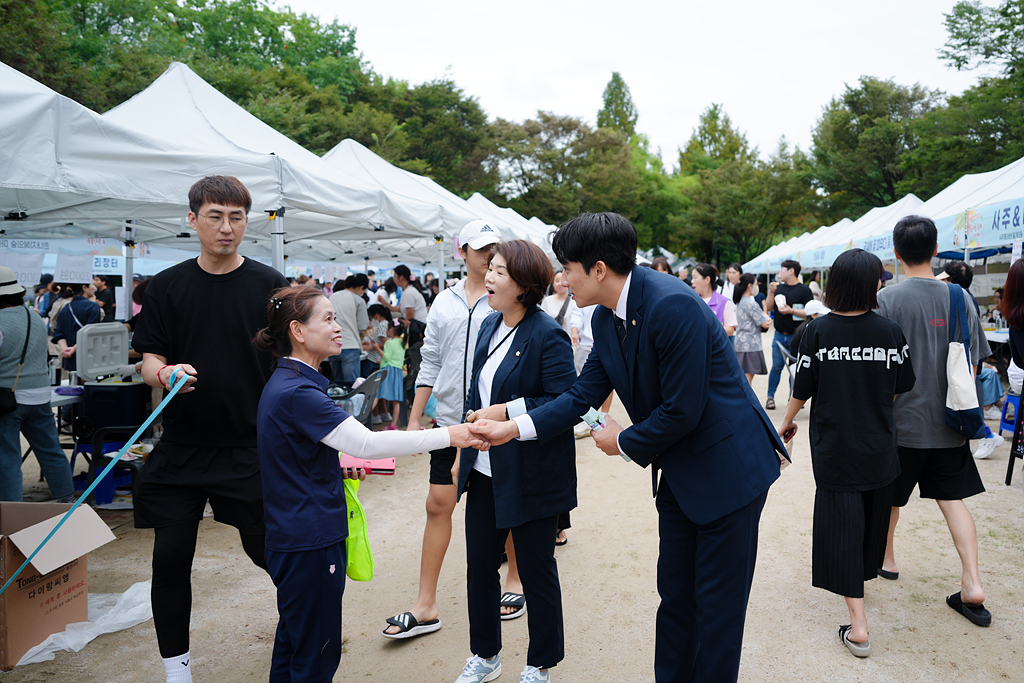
(303, 494)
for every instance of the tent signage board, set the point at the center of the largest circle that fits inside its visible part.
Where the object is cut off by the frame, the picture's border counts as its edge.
(27, 267)
(988, 226)
(73, 268)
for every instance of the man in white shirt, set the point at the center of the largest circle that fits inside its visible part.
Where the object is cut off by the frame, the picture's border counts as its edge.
(412, 306)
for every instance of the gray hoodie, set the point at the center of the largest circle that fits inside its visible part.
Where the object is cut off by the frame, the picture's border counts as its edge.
(448, 347)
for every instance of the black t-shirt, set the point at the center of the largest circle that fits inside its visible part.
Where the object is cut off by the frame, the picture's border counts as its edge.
(109, 304)
(852, 366)
(795, 294)
(208, 321)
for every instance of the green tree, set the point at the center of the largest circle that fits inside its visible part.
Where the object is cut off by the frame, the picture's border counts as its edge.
(860, 142)
(713, 142)
(980, 35)
(741, 206)
(618, 113)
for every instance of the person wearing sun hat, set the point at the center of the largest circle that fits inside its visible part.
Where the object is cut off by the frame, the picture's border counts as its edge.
(30, 381)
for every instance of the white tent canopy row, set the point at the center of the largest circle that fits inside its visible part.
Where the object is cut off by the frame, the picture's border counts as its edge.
(73, 173)
(978, 211)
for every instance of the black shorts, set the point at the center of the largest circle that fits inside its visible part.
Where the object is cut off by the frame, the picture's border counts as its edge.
(941, 473)
(177, 481)
(441, 463)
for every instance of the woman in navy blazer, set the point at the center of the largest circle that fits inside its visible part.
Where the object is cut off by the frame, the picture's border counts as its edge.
(523, 359)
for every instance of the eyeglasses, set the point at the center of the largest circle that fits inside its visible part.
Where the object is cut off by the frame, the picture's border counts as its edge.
(217, 221)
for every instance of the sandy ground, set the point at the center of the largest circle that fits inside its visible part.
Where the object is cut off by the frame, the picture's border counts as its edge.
(608, 588)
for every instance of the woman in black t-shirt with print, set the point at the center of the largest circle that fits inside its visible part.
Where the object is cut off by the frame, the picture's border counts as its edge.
(852, 362)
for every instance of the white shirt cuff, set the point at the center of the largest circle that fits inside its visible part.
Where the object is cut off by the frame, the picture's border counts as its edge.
(516, 408)
(527, 430)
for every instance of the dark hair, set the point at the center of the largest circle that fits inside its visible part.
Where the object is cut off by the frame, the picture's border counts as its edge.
(65, 291)
(709, 271)
(853, 282)
(915, 239)
(790, 263)
(402, 270)
(339, 285)
(662, 261)
(998, 290)
(746, 279)
(357, 280)
(285, 305)
(1012, 305)
(139, 290)
(219, 189)
(74, 287)
(302, 279)
(389, 286)
(528, 267)
(815, 274)
(592, 237)
(11, 300)
(101, 278)
(737, 267)
(960, 273)
(378, 309)
(399, 327)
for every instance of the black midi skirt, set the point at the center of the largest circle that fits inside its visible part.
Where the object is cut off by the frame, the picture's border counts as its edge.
(849, 535)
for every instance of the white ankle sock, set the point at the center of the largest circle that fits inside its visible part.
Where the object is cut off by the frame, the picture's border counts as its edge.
(179, 669)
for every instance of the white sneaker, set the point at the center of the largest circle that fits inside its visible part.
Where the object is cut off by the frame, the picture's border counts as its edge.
(386, 417)
(581, 431)
(988, 446)
(377, 419)
(480, 670)
(532, 674)
(993, 413)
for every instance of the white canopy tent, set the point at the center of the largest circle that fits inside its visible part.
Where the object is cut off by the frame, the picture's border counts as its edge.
(534, 230)
(322, 202)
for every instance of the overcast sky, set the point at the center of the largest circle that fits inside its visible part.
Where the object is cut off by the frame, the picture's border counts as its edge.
(772, 65)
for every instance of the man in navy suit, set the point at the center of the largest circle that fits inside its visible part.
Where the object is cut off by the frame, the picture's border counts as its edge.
(695, 418)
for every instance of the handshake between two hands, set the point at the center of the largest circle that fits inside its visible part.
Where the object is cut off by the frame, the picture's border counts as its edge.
(488, 427)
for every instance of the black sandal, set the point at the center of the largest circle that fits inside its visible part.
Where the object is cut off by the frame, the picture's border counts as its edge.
(769, 404)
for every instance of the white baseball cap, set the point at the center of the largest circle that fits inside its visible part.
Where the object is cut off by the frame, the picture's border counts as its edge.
(478, 234)
(816, 308)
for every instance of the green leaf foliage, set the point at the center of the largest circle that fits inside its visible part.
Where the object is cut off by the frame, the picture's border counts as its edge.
(618, 113)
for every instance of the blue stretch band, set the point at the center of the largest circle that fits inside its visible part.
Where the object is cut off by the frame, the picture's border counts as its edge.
(106, 470)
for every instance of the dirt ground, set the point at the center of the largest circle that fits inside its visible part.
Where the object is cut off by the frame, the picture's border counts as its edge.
(608, 587)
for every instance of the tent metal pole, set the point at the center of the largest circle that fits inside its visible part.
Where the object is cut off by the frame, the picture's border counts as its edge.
(277, 242)
(440, 260)
(129, 267)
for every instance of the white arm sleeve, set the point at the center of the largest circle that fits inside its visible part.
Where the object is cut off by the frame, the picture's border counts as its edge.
(352, 437)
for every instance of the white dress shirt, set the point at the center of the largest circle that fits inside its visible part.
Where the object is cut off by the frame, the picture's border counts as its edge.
(527, 430)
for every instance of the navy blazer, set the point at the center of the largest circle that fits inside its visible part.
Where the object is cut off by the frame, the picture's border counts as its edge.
(694, 414)
(531, 480)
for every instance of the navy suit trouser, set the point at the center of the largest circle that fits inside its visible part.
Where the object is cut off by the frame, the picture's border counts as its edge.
(310, 585)
(535, 556)
(704, 577)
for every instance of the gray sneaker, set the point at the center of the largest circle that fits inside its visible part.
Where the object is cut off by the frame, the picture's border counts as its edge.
(480, 670)
(532, 674)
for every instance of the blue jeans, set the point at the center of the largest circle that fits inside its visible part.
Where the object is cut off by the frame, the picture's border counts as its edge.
(990, 385)
(778, 362)
(40, 429)
(345, 366)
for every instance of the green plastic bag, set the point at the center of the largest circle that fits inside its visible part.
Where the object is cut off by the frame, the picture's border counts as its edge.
(357, 545)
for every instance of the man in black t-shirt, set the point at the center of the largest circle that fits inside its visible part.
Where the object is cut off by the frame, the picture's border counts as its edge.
(784, 297)
(104, 297)
(201, 316)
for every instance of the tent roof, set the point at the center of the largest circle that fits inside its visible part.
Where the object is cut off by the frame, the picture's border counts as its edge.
(181, 105)
(62, 161)
(977, 190)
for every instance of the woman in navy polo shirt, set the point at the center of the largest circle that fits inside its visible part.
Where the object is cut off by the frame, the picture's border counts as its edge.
(300, 433)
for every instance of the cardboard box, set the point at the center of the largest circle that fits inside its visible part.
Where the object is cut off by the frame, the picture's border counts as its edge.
(52, 591)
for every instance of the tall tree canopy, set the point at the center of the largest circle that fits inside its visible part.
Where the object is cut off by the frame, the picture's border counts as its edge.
(618, 113)
(860, 142)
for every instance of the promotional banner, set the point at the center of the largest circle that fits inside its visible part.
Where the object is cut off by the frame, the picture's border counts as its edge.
(27, 267)
(73, 268)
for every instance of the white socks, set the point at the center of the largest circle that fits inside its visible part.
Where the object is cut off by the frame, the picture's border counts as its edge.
(179, 669)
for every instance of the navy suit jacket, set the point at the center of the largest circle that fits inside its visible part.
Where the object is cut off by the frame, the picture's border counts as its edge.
(694, 414)
(531, 480)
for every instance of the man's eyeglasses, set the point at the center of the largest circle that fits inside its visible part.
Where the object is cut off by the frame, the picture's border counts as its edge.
(217, 221)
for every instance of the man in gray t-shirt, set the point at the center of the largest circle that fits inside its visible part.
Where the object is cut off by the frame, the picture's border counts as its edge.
(921, 307)
(933, 457)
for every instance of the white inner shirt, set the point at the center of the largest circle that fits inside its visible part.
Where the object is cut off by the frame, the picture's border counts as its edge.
(486, 380)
